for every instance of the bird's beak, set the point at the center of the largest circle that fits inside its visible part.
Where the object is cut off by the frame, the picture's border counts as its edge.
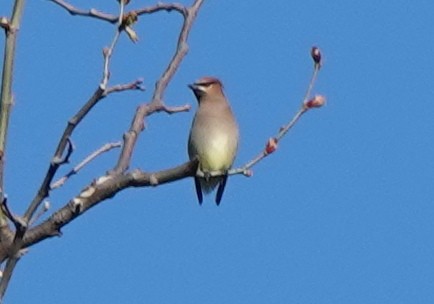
(192, 86)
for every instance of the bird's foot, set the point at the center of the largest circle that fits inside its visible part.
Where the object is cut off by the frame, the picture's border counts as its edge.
(208, 174)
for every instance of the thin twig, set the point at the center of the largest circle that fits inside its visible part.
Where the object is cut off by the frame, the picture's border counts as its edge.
(121, 11)
(135, 85)
(163, 7)
(63, 142)
(99, 94)
(157, 104)
(246, 168)
(41, 212)
(303, 109)
(271, 145)
(93, 13)
(173, 109)
(107, 147)
(70, 148)
(90, 13)
(107, 55)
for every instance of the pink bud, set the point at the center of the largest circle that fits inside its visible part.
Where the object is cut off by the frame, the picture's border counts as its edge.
(248, 173)
(271, 145)
(316, 55)
(316, 102)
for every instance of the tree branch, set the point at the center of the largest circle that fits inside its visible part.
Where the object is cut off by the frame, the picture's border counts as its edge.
(55, 164)
(107, 147)
(272, 143)
(93, 13)
(135, 85)
(16, 220)
(106, 186)
(7, 275)
(157, 104)
(99, 94)
(102, 189)
(90, 13)
(6, 99)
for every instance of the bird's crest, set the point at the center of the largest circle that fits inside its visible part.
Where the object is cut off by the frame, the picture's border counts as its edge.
(207, 80)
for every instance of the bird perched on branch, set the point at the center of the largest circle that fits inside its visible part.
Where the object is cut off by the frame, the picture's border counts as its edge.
(213, 137)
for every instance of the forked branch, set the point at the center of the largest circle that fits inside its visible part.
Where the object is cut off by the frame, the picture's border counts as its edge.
(157, 104)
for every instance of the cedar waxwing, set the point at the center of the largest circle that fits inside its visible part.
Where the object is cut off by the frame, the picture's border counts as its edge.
(213, 136)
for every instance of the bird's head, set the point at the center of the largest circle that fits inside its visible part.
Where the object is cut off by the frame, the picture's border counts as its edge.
(207, 86)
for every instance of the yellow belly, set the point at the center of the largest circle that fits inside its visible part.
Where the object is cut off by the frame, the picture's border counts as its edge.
(218, 155)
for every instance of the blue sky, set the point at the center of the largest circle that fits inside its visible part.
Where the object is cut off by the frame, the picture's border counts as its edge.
(341, 213)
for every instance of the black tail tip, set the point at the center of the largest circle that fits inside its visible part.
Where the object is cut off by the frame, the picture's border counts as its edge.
(198, 191)
(220, 190)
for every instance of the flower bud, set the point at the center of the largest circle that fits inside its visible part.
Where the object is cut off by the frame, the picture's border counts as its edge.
(316, 102)
(271, 145)
(316, 55)
(124, 1)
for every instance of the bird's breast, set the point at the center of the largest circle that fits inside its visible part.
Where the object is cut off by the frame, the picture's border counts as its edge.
(218, 154)
(214, 138)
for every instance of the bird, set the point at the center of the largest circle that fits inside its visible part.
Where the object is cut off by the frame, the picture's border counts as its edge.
(213, 138)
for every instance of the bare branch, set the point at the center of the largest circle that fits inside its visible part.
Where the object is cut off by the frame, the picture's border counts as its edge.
(118, 179)
(99, 94)
(14, 251)
(55, 164)
(106, 186)
(11, 28)
(41, 212)
(107, 53)
(90, 13)
(316, 68)
(102, 189)
(107, 147)
(173, 110)
(270, 147)
(7, 275)
(18, 222)
(272, 143)
(64, 160)
(6, 101)
(135, 85)
(181, 51)
(93, 13)
(157, 104)
(163, 7)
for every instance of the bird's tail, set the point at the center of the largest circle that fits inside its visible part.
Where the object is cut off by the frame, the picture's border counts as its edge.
(210, 184)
